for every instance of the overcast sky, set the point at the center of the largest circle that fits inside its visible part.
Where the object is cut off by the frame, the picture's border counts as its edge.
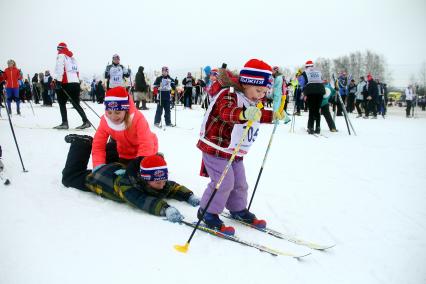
(188, 34)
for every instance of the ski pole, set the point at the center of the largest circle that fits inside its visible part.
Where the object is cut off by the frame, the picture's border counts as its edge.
(346, 115)
(13, 133)
(347, 118)
(72, 101)
(283, 98)
(185, 247)
(130, 78)
(335, 98)
(32, 107)
(28, 76)
(175, 97)
(91, 109)
(293, 122)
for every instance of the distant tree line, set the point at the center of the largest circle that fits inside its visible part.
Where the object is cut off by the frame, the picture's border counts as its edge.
(356, 64)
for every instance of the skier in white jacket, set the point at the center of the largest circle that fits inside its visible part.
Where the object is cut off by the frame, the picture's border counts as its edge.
(68, 86)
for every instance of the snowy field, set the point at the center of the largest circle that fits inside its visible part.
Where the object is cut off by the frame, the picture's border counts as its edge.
(364, 193)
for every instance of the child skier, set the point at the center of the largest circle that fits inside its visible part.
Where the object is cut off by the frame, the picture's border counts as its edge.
(145, 190)
(127, 126)
(222, 128)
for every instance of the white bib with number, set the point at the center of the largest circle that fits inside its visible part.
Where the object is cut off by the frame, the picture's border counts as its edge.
(71, 65)
(165, 85)
(313, 75)
(237, 131)
(116, 76)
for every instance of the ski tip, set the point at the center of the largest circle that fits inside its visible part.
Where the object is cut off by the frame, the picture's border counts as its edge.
(300, 257)
(182, 249)
(323, 248)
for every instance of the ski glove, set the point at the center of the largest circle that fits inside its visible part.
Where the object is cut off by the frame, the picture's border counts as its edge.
(279, 115)
(193, 200)
(251, 113)
(97, 168)
(1, 166)
(173, 215)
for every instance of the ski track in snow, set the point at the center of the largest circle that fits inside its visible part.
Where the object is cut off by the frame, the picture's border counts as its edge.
(364, 193)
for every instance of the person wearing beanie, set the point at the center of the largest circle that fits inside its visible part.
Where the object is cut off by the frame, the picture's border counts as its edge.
(372, 94)
(12, 75)
(221, 130)
(409, 98)
(350, 102)
(36, 88)
(313, 88)
(343, 91)
(132, 137)
(188, 83)
(147, 190)
(212, 87)
(279, 91)
(163, 86)
(115, 73)
(361, 91)
(68, 86)
(141, 89)
(297, 93)
(47, 81)
(199, 86)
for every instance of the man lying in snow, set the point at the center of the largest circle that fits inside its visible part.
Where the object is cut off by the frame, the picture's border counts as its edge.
(143, 183)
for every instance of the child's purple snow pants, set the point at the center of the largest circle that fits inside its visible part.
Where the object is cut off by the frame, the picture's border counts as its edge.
(232, 193)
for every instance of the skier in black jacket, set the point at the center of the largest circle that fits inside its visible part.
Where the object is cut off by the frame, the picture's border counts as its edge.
(372, 94)
(141, 89)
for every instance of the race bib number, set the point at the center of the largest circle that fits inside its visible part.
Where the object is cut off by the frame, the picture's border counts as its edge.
(237, 133)
(71, 65)
(165, 85)
(116, 77)
(314, 76)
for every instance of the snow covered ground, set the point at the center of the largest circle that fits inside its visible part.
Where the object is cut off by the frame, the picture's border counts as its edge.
(364, 193)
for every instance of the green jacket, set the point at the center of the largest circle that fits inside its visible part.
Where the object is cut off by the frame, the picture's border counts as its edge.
(111, 183)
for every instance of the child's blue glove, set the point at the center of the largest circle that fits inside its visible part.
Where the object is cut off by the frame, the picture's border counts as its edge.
(120, 172)
(173, 215)
(193, 200)
(97, 168)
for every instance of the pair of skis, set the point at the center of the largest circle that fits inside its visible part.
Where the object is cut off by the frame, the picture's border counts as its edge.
(262, 248)
(238, 240)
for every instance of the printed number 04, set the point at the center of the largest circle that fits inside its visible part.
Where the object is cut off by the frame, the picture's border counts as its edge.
(251, 134)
